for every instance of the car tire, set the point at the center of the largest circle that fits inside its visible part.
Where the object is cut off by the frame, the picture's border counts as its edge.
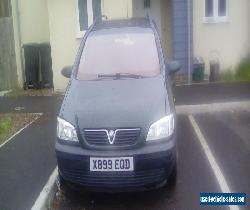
(64, 186)
(172, 179)
(61, 182)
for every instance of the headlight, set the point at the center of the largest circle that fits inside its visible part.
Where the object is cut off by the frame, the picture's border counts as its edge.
(163, 128)
(66, 131)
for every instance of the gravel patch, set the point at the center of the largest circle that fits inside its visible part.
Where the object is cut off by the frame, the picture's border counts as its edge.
(32, 92)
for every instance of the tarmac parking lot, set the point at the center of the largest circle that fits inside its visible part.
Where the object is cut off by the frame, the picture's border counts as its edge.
(213, 143)
(227, 139)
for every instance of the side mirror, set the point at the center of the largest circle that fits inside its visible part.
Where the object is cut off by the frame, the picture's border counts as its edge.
(173, 67)
(67, 71)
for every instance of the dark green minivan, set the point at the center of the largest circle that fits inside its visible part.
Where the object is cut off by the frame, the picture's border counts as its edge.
(116, 130)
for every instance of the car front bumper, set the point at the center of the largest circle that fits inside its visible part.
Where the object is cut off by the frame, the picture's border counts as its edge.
(153, 163)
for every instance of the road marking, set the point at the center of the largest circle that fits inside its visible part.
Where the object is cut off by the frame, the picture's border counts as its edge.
(41, 201)
(214, 107)
(19, 108)
(216, 169)
(18, 132)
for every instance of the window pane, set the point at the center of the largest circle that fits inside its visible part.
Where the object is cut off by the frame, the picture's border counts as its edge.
(96, 4)
(83, 14)
(209, 7)
(114, 51)
(222, 7)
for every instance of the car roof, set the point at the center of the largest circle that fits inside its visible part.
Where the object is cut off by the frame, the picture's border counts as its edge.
(122, 23)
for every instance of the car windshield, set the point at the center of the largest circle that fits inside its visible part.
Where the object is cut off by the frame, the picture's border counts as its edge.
(119, 54)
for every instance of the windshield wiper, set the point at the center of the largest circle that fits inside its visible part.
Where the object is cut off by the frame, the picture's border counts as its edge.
(121, 75)
(107, 76)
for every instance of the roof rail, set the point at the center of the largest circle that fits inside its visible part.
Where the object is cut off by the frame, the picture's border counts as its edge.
(152, 22)
(97, 20)
(100, 19)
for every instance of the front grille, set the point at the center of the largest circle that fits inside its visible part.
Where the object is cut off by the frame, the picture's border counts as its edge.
(120, 137)
(114, 179)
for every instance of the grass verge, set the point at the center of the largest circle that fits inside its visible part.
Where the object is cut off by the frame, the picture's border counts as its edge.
(10, 123)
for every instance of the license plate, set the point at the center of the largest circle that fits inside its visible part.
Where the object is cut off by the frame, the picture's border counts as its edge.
(112, 164)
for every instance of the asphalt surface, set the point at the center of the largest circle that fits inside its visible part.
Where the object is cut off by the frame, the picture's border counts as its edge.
(184, 95)
(26, 162)
(227, 135)
(212, 93)
(31, 104)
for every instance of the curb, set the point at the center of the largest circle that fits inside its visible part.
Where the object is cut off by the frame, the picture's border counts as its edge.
(46, 195)
(213, 108)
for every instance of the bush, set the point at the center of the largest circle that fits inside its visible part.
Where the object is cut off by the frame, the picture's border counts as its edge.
(243, 70)
(227, 76)
(241, 73)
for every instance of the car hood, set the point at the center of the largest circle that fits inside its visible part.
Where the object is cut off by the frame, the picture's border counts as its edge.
(115, 103)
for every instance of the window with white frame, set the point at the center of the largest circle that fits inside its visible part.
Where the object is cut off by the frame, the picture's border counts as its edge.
(87, 12)
(216, 11)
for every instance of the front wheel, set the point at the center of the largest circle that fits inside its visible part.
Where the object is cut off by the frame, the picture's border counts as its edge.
(172, 179)
(61, 183)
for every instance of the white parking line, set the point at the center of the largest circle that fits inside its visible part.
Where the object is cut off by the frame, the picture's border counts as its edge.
(214, 165)
(36, 118)
(41, 201)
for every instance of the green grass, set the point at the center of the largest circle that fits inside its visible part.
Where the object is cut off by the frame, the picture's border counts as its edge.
(241, 73)
(5, 125)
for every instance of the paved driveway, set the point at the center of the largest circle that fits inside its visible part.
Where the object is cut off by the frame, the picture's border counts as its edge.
(185, 95)
(27, 161)
(212, 93)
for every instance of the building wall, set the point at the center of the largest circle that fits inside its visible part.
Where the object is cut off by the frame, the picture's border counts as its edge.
(5, 8)
(64, 44)
(161, 12)
(63, 32)
(228, 42)
(31, 25)
(117, 8)
(154, 11)
(17, 42)
(34, 21)
(8, 75)
(167, 26)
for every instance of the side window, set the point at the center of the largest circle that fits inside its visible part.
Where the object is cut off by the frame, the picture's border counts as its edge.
(216, 11)
(209, 8)
(87, 12)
